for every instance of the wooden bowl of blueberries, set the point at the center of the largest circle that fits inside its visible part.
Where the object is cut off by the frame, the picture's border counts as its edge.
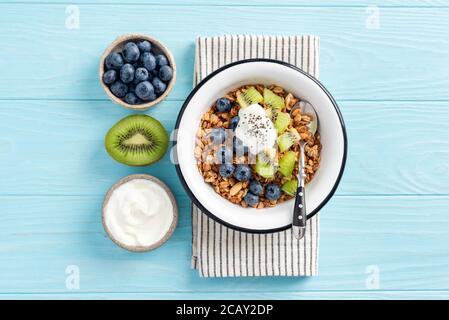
(137, 71)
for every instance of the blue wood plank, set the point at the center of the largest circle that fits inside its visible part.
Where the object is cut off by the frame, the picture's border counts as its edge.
(56, 147)
(402, 238)
(258, 3)
(403, 58)
(299, 295)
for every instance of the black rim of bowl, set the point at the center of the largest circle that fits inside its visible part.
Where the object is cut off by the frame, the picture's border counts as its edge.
(190, 193)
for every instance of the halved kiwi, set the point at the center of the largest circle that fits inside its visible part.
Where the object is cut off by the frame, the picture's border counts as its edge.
(249, 97)
(137, 140)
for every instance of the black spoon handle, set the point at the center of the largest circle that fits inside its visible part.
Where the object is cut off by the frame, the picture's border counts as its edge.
(299, 211)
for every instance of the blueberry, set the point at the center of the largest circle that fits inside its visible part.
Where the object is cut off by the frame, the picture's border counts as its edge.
(152, 97)
(255, 187)
(109, 76)
(127, 73)
(154, 73)
(140, 75)
(131, 98)
(224, 155)
(223, 105)
(131, 52)
(251, 199)
(114, 61)
(226, 170)
(272, 191)
(238, 147)
(145, 91)
(144, 46)
(161, 60)
(165, 73)
(218, 135)
(148, 61)
(158, 85)
(119, 89)
(242, 172)
(234, 122)
(135, 81)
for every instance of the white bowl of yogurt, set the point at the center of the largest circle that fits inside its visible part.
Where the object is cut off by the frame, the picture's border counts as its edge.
(140, 213)
(300, 84)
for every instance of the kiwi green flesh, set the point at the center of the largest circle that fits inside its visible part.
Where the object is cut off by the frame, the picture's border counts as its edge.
(290, 187)
(284, 142)
(266, 170)
(270, 99)
(281, 121)
(249, 97)
(287, 139)
(137, 140)
(287, 163)
(267, 155)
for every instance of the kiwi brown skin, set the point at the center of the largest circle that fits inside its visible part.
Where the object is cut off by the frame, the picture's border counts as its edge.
(148, 130)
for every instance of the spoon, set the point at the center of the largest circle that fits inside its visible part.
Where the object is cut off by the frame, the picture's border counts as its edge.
(299, 211)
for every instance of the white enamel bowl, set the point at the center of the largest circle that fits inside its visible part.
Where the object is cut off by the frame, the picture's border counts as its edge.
(302, 85)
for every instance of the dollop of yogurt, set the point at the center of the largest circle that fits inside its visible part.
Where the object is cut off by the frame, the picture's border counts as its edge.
(255, 129)
(139, 213)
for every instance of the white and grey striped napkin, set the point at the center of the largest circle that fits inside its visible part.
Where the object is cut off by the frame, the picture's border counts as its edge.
(218, 251)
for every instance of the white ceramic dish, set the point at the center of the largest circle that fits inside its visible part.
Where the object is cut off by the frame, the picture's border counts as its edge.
(302, 85)
(163, 239)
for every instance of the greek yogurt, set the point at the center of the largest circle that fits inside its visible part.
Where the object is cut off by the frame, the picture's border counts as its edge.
(255, 129)
(138, 213)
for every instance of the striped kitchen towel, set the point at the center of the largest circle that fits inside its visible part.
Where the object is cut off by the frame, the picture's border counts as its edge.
(218, 251)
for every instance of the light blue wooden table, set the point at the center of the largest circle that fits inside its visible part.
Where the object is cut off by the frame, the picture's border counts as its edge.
(385, 234)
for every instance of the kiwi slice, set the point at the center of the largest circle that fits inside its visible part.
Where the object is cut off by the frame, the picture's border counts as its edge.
(287, 139)
(290, 187)
(267, 156)
(272, 100)
(281, 120)
(266, 170)
(287, 163)
(249, 97)
(137, 140)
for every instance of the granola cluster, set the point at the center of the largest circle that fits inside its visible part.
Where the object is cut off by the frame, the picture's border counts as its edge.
(232, 189)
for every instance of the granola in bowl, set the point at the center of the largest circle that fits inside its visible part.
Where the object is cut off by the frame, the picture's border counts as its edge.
(246, 146)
